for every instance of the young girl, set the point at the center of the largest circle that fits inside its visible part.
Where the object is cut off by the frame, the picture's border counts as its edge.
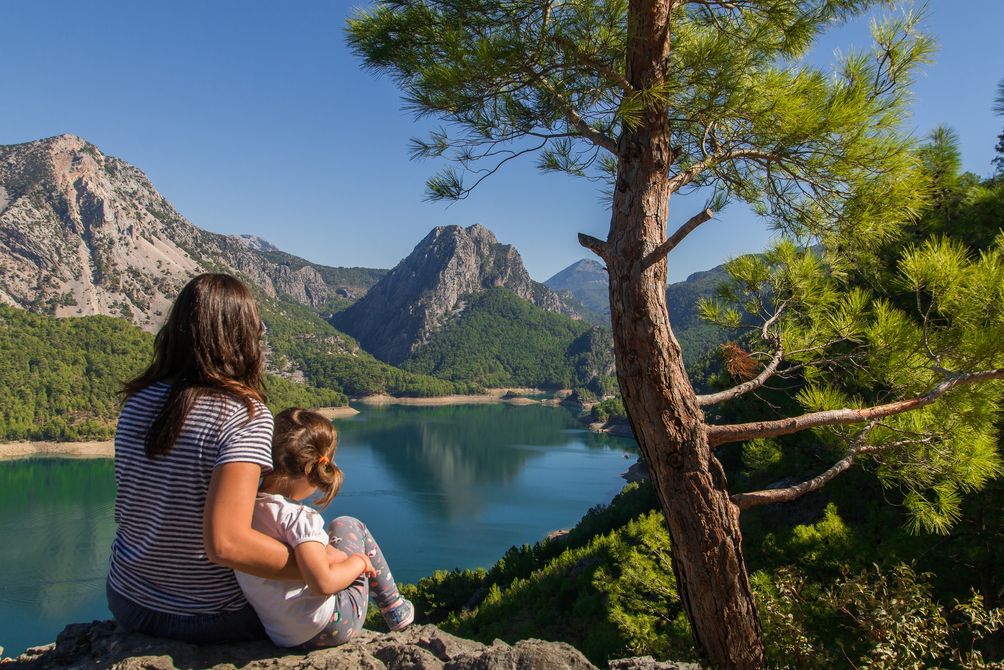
(342, 566)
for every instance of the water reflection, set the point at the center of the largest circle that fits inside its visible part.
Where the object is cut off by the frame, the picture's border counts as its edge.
(445, 456)
(56, 521)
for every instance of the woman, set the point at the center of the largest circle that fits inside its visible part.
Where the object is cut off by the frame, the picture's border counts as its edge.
(193, 439)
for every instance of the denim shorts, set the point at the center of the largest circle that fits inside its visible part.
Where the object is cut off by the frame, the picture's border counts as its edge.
(234, 626)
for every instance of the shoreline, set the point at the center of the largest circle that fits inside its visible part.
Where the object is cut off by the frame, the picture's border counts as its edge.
(489, 396)
(10, 451)
(19, 449)
(336, 412)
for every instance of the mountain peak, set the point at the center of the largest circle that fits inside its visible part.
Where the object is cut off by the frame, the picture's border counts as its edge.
(428, 288)
(68, 140)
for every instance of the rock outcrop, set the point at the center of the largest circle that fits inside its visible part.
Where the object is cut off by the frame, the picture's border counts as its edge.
(102, 644)
(84, 233)
(428, 288)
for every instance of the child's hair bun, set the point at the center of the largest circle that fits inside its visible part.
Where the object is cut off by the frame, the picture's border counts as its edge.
(303, 444)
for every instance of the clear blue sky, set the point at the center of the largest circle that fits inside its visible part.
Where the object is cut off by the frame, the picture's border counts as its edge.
(253, 117)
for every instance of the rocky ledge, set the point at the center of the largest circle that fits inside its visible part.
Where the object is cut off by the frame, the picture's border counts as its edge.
(102, 644)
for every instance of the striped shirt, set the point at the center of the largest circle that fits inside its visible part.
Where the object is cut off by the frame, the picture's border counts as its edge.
(158, 558)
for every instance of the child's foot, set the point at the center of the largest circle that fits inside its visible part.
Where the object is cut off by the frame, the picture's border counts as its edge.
(401, 616)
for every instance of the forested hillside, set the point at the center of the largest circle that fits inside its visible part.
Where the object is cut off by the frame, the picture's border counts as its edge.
(301, 340)
(59, 378)
(502, 340)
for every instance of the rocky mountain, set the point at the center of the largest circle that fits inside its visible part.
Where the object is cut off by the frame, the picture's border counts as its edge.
(85, 233)
(257, 243)
(586, 280)
(431, 286)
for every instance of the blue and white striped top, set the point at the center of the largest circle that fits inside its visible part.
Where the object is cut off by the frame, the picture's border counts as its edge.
(158, 557)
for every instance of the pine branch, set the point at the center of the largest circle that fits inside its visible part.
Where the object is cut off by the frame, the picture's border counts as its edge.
(663, 249)
(598, 138)
(745, 387)
(723, 434)
(767, 496)
(760, 379)
(601, 68)
(681, 179)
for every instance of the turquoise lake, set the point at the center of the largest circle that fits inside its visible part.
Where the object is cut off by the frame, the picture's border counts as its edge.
(439, 487)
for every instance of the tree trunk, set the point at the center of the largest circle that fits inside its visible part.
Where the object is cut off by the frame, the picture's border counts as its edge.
(660, 401)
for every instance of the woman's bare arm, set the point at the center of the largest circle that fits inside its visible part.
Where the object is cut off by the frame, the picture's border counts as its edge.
(229, 538)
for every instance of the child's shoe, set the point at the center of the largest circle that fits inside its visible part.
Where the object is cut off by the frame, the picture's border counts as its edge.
(400, 617)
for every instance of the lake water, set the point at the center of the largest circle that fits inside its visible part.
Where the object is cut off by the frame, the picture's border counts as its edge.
(439, 487)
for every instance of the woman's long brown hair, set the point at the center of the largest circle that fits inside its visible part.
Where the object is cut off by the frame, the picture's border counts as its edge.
(210, 345)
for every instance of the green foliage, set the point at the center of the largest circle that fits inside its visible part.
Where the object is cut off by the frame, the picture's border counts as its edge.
(59, 378)
(283, 393)
(502, 340)
(609, 409)
(590, 598)
(940, 319)
(884, 620)
(550, 78)
(641, 592)
(818, 154)
(562, 589)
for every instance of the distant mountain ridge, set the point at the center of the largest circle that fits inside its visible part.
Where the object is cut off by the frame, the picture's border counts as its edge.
(428, 288)
(587, 281)
(85, 233)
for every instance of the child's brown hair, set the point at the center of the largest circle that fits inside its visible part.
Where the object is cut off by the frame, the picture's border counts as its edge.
(304, 443)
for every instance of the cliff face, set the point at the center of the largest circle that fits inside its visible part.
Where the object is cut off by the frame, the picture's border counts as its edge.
(84, 233)
(427, 288)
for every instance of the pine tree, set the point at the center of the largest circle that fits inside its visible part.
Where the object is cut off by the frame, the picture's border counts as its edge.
(659, 97)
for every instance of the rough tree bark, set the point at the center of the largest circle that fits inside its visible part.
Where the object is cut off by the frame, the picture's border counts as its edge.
(660, 401)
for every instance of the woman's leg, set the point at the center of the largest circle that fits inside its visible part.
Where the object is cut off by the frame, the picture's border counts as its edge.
(233, 626)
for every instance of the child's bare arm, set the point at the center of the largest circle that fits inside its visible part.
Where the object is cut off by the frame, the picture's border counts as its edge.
(324, 577)
(335, 555)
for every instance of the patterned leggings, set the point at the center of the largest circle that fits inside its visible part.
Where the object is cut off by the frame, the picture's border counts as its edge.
(351, 536)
